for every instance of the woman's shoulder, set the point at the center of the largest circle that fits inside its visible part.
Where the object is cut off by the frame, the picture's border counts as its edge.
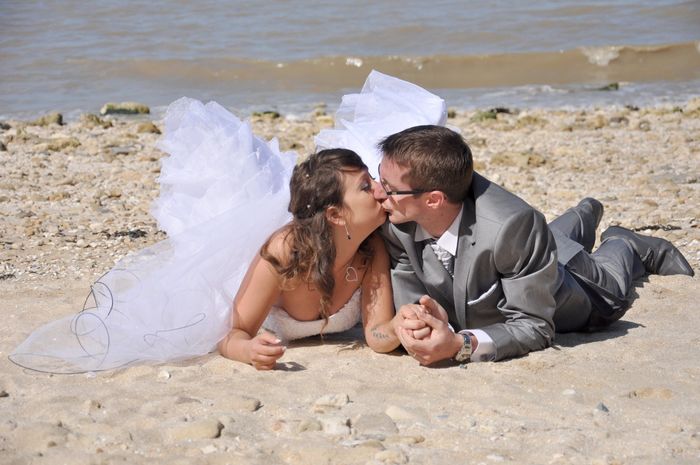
(376, 243)
(375, 239)
(278, 247)
(375, 252)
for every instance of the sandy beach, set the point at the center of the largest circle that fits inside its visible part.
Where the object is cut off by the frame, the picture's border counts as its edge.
(75, 198)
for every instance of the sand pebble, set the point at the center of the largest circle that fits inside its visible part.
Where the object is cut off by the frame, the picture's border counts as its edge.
(164, 374)
(192, 430)
(400, 414)
(374, 423)
(335, 425)
(209, 449)
(405, 439)
(124, 108)
(51, 118)
(367, 443)
(651, 393)
(330, 402)
(391, 456)
(148, 127)
(309, 424)
(240, 403)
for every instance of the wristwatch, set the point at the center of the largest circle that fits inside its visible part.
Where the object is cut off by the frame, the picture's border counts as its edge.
(464, 354)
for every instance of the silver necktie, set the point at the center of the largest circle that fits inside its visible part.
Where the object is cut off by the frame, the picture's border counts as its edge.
(445, 257)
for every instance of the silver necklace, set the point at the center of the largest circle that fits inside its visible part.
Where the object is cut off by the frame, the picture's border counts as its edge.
(351, 275)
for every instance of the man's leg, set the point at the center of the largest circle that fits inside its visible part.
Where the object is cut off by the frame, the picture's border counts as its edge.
(608, 274)
(658, 255)
(580, 222)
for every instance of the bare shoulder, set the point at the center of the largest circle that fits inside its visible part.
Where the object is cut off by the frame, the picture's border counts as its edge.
(278, 247)
(379, 253)
(376, 241)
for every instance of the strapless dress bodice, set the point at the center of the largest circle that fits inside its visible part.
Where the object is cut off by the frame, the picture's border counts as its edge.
(288, 328)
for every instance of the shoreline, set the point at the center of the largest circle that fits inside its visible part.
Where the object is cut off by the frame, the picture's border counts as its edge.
(538, 95)
(75, 198)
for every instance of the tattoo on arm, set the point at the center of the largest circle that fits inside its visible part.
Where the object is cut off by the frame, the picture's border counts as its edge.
(378, 334)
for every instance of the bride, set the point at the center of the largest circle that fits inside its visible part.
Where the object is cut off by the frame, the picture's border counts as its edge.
(325, 263)
(234, 261)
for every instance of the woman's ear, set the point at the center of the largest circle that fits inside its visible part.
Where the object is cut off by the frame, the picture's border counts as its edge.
(335, 216)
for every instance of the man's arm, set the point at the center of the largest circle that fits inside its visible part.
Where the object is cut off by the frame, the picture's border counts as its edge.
(525, 256)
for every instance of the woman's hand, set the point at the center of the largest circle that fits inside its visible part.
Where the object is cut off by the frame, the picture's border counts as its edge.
(407, 319)
(264, 350)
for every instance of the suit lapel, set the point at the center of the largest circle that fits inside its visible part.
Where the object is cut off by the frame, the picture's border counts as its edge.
(463, 260)
(405, 233)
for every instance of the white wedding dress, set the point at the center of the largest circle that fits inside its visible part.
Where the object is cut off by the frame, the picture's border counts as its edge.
(223, 192)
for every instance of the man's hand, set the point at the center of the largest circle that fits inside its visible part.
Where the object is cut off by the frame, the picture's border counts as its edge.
(264, 350)
(407, 319)
(440, 343)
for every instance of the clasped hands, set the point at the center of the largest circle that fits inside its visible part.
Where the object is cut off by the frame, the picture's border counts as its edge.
(424, 331)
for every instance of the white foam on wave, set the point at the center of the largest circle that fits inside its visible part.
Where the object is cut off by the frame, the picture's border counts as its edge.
(354, 61)
(601, 56)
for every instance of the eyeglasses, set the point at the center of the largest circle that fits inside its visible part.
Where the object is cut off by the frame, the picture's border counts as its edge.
(397, 192)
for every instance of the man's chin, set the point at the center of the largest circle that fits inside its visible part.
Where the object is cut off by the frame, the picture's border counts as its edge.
(394, 219)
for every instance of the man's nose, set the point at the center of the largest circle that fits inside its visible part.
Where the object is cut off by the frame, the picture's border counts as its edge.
(378, 191)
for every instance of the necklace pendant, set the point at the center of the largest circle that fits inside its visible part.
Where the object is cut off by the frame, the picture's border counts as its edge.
(351, 274)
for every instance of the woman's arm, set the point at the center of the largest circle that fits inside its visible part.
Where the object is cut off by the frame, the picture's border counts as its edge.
(378, 318)
(258, 292)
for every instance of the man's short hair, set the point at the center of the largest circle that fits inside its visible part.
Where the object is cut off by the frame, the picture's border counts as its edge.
(437, 158)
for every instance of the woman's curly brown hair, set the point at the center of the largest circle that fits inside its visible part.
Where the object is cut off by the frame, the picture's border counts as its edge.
(316, 184)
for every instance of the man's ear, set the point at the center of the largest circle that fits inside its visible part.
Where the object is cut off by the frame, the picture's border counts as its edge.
(335, 215)
(435, 199)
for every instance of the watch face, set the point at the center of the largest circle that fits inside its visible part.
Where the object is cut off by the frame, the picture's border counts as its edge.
(465, 352)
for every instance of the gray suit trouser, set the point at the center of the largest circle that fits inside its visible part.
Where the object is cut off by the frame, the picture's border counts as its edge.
(606, 275)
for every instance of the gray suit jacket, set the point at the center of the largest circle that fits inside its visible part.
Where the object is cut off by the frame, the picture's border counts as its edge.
(508, 280)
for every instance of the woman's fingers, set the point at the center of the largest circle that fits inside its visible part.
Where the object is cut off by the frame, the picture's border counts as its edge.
(265, 350)
(422, 332)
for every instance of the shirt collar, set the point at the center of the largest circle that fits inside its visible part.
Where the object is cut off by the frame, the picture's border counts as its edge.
(449, 238)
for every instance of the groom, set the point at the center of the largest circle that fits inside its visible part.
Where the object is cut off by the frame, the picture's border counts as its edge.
(482, 262)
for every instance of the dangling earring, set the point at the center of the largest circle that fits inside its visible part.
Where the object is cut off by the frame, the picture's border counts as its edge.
(347, 233)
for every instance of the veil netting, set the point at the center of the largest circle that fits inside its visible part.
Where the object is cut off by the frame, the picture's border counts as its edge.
(223, 192)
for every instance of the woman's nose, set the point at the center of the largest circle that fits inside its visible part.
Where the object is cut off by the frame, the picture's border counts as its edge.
(379, 192)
